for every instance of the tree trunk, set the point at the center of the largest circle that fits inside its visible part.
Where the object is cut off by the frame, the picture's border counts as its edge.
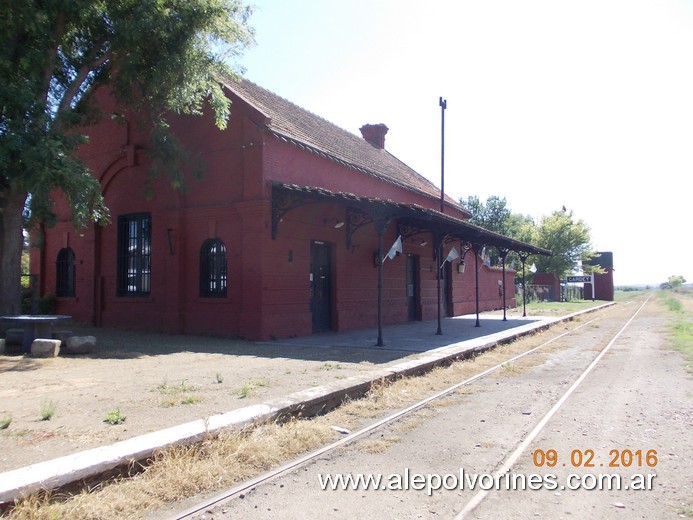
(11, 239)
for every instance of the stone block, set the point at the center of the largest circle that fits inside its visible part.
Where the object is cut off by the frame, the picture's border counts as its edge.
(62, 335)
(80, 344)
(14, 337)
(45, 348)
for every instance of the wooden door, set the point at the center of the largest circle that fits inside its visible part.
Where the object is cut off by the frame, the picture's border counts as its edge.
(321, 285)
(412, 287)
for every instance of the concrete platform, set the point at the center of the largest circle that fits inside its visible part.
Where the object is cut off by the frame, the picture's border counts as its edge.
(460, 337)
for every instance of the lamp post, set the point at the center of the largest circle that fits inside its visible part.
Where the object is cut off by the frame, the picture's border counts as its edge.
(443, 105)
(503, 255)
(439, 254)
(477, 250)
(523, 257)
(439, 240)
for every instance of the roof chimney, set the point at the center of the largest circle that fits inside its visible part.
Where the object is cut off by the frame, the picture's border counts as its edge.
(375, 134)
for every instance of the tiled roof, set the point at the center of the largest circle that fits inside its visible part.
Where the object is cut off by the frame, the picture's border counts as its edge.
(292, 123)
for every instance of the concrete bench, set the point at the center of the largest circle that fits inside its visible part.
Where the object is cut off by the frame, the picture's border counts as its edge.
(79, 345)
(14, 337)
(62, 335)
(45, 348)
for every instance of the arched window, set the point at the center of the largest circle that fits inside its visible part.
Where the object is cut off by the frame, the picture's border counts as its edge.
(65, 273)
(213, 269)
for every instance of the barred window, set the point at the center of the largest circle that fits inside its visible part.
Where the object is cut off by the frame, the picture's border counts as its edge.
(213, 269)
(65, 273)
(134, 254)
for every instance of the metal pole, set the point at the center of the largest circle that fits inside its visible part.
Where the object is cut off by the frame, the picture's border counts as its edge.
(524, 290)
(503, 286)
(443, 105)
(440, 256)
(592, 283)
(476, 273)
(379, 343)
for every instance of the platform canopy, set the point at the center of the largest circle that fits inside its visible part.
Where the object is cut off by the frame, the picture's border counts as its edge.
(411, 219)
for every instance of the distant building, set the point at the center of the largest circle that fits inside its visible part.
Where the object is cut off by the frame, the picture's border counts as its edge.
(603, 283)
(281, 237)
(546, 287)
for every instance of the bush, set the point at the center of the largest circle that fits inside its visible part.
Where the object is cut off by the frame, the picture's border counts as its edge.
(47, 303)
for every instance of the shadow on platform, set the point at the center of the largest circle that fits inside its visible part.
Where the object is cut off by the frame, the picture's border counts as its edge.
(350, 346)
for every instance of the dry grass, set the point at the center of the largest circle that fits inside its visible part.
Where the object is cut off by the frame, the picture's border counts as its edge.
(183, 471)
(380, 445)
(232, 457)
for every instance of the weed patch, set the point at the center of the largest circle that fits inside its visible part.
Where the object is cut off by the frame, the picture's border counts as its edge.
(5, 422)
(114, 417)
(250, 389)
(179, 394)
(47, 409)
(680, 325)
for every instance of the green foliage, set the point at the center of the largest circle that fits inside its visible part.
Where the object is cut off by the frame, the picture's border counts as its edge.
(46, 304)
(249, 389)
(47, 409)
(673, 282)
(569, 241)
(177, 394)
(494, 215)
(567, 238)
(25, 266)
(114, 417)
(157, 56)
(545, 308)
(5, 422)
(673, 304)
(190, 399)
(680, 323)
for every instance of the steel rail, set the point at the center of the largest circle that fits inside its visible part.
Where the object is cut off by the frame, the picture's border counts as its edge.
(249, 484)
(512, 459)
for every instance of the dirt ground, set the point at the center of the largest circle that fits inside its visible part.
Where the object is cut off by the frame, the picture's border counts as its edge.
(637, 398)
(156, 381)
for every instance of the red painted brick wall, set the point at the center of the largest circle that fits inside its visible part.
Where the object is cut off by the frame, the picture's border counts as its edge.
(548, 279)
(268, 287)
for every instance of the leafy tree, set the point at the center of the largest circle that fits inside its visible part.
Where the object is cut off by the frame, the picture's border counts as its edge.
(494, 215)
(157, 56)
(569, 241)
(673, 282)
(567, 238)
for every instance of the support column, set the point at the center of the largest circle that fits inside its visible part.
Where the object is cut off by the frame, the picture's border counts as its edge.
(438, 245)
(477, 248)
(380, 227)
(523, 257)
(503, 255)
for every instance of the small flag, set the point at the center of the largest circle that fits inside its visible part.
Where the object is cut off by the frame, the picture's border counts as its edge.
(485, 258)
(395, 249)
(452, 255)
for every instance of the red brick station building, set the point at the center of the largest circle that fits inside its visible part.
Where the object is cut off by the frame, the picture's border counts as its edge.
(282, 237)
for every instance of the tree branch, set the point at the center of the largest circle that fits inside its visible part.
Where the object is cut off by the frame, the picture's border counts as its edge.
(51, 54)
(80, 78)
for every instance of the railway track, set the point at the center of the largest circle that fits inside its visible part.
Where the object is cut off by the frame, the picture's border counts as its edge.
(241, 490)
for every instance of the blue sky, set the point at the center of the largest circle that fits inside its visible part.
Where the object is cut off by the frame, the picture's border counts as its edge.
(585, 104)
